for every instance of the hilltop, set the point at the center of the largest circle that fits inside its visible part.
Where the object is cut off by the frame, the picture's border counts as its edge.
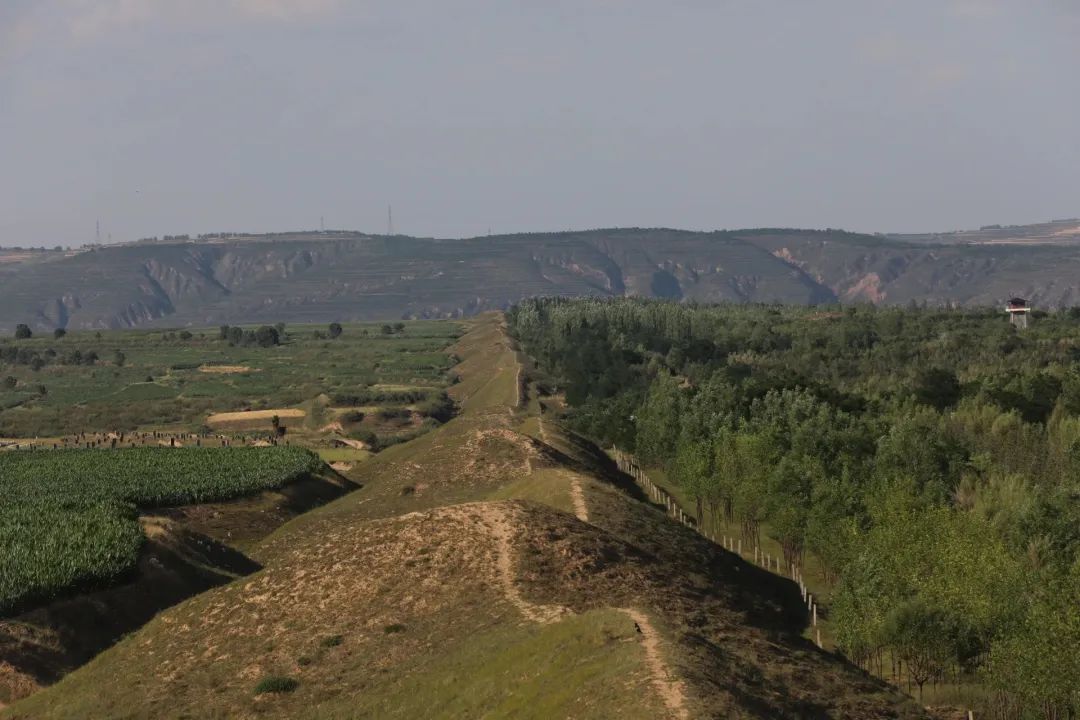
(498, 565)
(303, 277)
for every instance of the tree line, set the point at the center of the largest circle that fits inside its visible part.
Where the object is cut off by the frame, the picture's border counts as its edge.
(928, 459)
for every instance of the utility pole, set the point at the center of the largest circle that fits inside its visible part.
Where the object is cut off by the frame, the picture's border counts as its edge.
(322, 224)
(389, 220)
(97, 232)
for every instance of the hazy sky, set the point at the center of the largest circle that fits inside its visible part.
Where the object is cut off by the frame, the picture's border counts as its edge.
(174, 116)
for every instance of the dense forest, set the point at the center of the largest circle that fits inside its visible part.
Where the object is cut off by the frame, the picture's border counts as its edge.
(928, 460)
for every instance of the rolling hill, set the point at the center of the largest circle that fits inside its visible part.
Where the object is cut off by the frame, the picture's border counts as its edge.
(352, 276)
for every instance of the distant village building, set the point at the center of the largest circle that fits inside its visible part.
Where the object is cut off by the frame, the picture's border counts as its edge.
(1018, 310)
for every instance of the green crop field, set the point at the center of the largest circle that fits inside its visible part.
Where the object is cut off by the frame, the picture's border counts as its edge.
(68, 517)
(174, 379)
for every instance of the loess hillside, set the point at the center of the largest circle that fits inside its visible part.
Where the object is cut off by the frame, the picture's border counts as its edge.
(353, 277)
(498, 566)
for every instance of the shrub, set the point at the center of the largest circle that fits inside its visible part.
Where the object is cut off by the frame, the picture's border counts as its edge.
(276, 684)
(394, 628)
(394, 413)
(365, 436)
(331, 641)
(440, 407)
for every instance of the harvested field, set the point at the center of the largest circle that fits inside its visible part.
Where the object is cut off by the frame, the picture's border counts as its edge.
(226, 369)
(250, 415)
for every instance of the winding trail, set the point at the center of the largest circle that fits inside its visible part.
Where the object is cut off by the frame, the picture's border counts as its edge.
(671, 691)
(501, 522)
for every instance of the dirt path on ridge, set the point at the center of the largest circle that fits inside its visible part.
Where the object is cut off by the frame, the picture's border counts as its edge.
(578, 496)
(501, 522)
(670, 691)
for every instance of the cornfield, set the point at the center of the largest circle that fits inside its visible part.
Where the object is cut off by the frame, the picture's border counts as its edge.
(69, 518)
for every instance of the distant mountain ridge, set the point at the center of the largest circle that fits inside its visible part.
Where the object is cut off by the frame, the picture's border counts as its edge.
(346, 276)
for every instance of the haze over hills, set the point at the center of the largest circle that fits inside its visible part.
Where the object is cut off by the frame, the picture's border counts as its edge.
(294, 277)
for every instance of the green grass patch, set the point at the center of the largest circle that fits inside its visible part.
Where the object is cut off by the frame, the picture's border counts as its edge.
(276, 684)
(580, 667)
(331, 641)
(348, 455)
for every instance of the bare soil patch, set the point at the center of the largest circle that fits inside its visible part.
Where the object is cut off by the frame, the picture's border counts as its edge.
(250, 415)
(225, 369)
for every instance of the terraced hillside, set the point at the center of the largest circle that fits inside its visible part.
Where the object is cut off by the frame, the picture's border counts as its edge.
(313, 277)
(497, 566)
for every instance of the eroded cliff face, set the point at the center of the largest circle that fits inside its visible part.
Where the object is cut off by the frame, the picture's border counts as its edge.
(876, 270)
(358, 277)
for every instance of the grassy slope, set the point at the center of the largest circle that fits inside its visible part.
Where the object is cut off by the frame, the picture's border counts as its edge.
(398, 601)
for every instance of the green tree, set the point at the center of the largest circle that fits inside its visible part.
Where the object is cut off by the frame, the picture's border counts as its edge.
(937, 387)
(267, 336)
(923, 637)
(658, 421)
(1037, 663)
(335, 330)
(23, 332)
(59, 333)
(693, 470)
